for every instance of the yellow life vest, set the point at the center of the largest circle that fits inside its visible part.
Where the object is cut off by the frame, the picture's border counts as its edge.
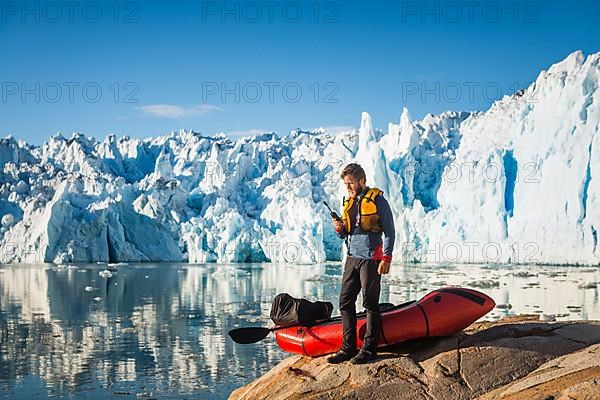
(368, 216)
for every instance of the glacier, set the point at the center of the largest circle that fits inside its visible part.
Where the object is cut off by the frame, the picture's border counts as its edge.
(513, 184)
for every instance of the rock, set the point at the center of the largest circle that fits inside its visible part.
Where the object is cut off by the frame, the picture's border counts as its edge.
(514, 358)
(572, 376)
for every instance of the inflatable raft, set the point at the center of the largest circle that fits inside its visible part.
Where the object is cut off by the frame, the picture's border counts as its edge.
(442, 312)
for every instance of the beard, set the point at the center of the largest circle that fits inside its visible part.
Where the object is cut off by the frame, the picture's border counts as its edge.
(359, 191)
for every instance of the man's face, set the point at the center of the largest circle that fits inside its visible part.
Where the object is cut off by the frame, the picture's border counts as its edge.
(353, 185)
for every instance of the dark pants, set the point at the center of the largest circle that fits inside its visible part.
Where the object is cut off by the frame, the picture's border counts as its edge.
(359, 273)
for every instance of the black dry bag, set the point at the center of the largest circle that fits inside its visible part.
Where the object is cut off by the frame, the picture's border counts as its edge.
(287, 310)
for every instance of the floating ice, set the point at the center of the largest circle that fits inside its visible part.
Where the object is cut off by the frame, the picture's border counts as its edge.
(484, 284)
(591, 285)
(547, 317)
(105, 274)
(119, 264)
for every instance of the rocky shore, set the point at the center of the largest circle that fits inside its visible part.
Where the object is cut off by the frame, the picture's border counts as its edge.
(514, 358)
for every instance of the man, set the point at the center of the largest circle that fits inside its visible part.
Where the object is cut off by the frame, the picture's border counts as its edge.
(365, 215)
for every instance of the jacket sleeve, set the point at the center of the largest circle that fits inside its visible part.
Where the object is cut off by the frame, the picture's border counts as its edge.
(387, 223)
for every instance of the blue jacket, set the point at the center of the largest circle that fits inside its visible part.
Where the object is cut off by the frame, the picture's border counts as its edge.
(369, 245)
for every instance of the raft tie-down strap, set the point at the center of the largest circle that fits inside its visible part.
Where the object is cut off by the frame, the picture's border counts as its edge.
(304, 330)
(463, 293)
(381, 329)
(426, 319)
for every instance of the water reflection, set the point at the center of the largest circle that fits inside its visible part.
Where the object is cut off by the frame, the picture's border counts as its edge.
(160, 330)
(150, 329)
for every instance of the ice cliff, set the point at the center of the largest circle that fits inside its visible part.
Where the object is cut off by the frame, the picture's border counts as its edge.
(517, 183)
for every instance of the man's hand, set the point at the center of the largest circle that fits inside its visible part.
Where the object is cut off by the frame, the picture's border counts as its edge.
(384, 267)
(338, 225)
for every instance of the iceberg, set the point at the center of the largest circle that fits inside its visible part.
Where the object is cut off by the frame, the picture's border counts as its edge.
(514, 184)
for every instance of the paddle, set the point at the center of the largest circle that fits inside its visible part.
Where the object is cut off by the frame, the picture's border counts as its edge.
(251, 334)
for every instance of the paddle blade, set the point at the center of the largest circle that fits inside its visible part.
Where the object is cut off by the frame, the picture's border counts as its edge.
(248, 335)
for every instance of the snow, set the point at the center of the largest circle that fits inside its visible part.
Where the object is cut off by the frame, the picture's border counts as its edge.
(515, 183)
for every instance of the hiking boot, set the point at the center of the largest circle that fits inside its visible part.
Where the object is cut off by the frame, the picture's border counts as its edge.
(340, 356)
(364, 356)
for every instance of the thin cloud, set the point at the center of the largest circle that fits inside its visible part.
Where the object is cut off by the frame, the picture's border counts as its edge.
(334, 130)
(173, 111)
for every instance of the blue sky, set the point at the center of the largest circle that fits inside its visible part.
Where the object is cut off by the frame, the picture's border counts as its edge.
(146, 68)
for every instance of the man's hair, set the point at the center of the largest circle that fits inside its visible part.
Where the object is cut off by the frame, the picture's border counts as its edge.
(354, 170)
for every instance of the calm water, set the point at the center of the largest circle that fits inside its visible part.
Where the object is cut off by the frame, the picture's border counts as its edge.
(160, 330)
